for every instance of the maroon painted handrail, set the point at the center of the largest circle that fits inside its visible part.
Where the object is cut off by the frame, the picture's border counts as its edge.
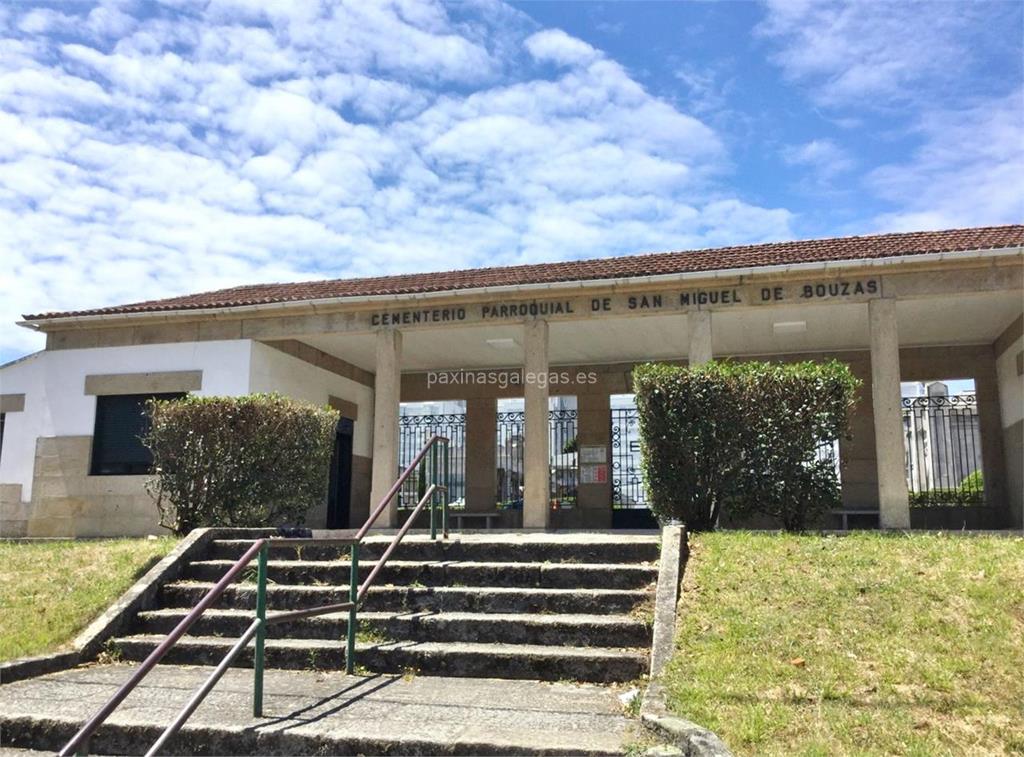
(86, 731)
(382, 560)
(80, 738)
(382, 505)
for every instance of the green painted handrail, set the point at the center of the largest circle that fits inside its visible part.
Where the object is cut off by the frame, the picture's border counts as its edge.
(261, 633)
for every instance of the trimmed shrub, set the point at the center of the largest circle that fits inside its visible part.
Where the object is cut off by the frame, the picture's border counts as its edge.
(690, 424)
(260, 460)
(970, 493)
(947, 498)
(973, 482)
(742, 436)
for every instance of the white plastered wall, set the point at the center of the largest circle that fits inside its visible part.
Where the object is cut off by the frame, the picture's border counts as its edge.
(274, 371)
(56, 404)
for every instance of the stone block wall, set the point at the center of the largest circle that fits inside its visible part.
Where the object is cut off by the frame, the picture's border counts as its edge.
(67, 501)
(13, 512)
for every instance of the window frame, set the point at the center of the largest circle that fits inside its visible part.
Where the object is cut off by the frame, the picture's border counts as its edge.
(98, 464)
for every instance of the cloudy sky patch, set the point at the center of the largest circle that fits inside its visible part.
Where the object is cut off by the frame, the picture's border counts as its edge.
(152, 149)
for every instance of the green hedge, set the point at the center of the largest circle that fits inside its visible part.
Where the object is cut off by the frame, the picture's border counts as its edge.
(257, 460)
(946, 498)
(742, 437)
(970, 493)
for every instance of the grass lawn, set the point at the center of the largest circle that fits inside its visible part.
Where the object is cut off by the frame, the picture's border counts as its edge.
(864, 644)
(50, 590)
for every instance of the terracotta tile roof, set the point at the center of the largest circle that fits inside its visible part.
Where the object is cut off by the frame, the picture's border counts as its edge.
(723, 258)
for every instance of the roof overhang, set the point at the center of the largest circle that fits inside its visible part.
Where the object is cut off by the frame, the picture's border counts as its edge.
(333, 303)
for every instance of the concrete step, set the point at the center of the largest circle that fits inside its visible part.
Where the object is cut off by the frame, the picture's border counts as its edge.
(318, 712)
(556, 548)
(549, 630)
(459, 659)
(131, 738)
(411, 599)
(447, 573)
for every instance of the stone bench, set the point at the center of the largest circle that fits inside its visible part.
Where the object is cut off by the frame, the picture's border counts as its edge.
(845, 515)
(459, 517)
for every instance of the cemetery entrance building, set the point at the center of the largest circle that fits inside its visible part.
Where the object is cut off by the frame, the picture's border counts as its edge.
(527, 369)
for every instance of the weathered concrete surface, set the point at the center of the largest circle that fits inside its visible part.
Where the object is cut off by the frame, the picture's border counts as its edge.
(446, 658)
(507, 599)
(685, 737)
(556, 629)
(674, 551)
(323, 713)
(27, 667)
(886, 404)
(550, 607)
(691, 739)
(447, 572)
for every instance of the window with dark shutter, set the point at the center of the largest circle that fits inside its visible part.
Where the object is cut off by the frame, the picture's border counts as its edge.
(117, 448)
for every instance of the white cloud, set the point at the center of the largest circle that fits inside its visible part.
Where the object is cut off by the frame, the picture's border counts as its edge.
(48, 91)
(915, 73)
(824, 156)
(705, 94)
(555, 46)
(240, 142)
(968, 171)
(868, 51)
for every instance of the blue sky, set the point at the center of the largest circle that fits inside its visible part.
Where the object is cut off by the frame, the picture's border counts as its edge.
(151, 149)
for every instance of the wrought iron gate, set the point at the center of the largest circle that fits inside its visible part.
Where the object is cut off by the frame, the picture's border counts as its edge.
(511, 439)
(943, 450)
(627, 481)
(561, 452)
(413, 432)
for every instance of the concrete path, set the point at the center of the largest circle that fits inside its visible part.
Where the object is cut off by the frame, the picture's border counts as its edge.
(321, 712)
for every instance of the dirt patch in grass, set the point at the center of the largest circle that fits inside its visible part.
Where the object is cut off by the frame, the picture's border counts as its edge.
(863, 644)
(50, 590)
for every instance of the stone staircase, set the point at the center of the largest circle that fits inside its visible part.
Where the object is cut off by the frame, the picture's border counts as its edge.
(525, 606)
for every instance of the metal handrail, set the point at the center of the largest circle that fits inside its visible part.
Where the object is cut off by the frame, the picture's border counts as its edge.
(207, 686)
(79, 739)
(356, 592)
(257, 629)
(393, 491)
(382, 560)
(260, 622)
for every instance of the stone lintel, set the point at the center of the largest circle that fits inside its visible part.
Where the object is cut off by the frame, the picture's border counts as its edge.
(159, 382)
(12, 403)
(347, 409)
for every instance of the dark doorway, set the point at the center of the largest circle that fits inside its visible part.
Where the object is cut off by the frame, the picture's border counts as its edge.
(630, 509)
(339, 492)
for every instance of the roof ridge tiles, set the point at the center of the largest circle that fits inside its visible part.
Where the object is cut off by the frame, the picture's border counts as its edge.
(832, 249)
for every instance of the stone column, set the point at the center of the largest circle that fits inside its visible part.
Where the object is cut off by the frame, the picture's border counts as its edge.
(990, 431)
(893, 499)
(481, 453)
(386, 397)
(537, 491)
(860, 464)
(699, 324)
(593, 418)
